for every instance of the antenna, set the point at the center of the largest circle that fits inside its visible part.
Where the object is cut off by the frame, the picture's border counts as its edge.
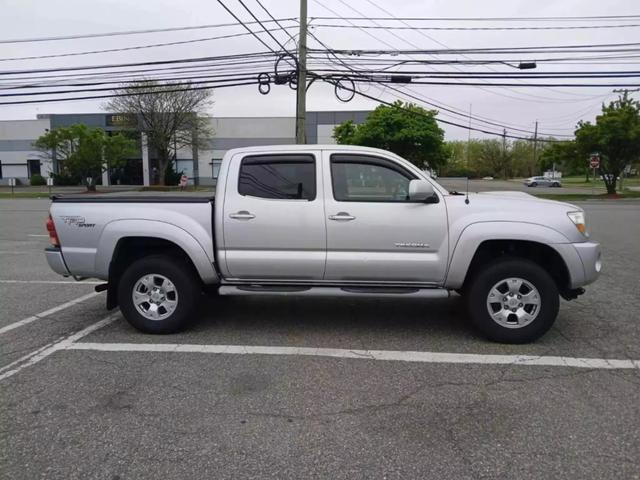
(466, 200)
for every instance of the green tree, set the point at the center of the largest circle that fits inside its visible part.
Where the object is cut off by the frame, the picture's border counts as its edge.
(615, 136)
(86, 152)
(495, 159)
(462, 159)
(565, 157)
(403, 128)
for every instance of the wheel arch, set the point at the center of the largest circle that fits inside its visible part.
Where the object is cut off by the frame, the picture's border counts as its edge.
(125, 241)
(481, 243)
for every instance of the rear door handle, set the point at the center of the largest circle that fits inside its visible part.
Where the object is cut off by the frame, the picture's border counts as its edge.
(342, 216)
(242, 215)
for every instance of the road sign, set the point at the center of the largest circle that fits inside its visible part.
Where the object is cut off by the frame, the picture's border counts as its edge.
(594, 161)
(49, 181)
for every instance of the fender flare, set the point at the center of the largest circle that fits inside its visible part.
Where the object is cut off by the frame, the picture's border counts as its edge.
(476, 233)
(120, 229)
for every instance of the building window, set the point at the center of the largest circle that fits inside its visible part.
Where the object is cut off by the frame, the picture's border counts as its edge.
(33, 168)
(215, 167)
(184, 166)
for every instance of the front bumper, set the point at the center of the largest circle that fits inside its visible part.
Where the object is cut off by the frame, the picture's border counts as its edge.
(591, 257)
(55, 261)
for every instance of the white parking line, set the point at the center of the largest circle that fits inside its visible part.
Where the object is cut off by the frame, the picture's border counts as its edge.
(42, 353)
(46, 313)
(54, 282)
(37, 235)
(379, 355)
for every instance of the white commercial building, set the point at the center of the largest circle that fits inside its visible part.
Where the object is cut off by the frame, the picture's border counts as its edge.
(20, 159)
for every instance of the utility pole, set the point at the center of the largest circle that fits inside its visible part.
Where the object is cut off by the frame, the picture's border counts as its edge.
(535, 144)
(469, 140)
(504, 150)
(301, 88)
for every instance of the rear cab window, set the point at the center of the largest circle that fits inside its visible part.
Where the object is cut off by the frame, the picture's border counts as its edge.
(282, 177)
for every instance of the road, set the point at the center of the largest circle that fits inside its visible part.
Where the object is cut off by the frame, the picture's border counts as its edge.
(460, 185)
(112, 403)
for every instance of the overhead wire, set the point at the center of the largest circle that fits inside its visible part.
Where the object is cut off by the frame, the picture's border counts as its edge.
(136, 47)
(126, 32)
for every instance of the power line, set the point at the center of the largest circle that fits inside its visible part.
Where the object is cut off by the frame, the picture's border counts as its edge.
(136, 64)
(275, 20)
(604, 47)
(98, 97)
(137, 85)
(259, 60)
(127, 32)
(423, 34)
(447, 122)
(244, 24)
(233, 74)
(493, 92)
(390, 62)
(357, 73)
(528, 75)
(490, 19)
(386, 86)
(146, 74)
(388, 79)
(563, 27)
(136, 47)
(262, 26)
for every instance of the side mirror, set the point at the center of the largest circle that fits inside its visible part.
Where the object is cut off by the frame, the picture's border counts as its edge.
(420, 190)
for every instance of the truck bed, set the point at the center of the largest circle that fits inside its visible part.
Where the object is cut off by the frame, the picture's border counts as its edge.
(155, 198)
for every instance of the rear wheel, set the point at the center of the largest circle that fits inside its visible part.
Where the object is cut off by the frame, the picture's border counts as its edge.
(533, 184)
(513, 301)
(159, 294)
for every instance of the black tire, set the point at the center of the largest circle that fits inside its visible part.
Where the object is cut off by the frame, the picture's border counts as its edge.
(483, 282)
(185, 283)
(556, 184)
(533, 184)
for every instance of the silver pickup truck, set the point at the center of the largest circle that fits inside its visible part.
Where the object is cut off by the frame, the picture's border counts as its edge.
(312, 220)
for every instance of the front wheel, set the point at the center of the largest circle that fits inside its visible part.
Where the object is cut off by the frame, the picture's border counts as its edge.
(158, 294)
(513, 301)
(533, 184)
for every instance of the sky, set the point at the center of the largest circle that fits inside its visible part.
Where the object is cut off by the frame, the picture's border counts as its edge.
(556, 110)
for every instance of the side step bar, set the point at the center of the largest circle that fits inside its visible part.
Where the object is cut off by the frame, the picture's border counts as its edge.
(378, 292)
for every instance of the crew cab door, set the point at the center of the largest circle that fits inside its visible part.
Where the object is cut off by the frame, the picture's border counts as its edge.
(374, 232)
(274, 225)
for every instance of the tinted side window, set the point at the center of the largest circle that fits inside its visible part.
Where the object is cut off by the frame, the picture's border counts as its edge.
(290, 177)
(367, 179)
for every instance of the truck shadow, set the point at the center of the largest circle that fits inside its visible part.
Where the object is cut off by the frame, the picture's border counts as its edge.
(375, 321)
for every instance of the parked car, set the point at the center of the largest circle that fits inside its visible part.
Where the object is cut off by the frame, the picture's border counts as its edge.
(608, 176)
(542, 182)
(334, 220)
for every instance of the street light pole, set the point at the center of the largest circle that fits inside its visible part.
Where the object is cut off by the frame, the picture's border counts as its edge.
(535, 145)
(301, 88)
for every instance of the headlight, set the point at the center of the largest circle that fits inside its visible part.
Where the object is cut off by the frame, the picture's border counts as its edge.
(579, 220)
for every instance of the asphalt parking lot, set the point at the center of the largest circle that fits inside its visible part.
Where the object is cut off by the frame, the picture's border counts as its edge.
(339, 388)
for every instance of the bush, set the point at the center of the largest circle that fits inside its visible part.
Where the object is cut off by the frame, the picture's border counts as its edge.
(65, 179)
(37, 180)
(171, 176)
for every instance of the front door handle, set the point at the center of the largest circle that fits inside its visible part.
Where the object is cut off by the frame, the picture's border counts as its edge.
(242, 215)
(342, 216)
